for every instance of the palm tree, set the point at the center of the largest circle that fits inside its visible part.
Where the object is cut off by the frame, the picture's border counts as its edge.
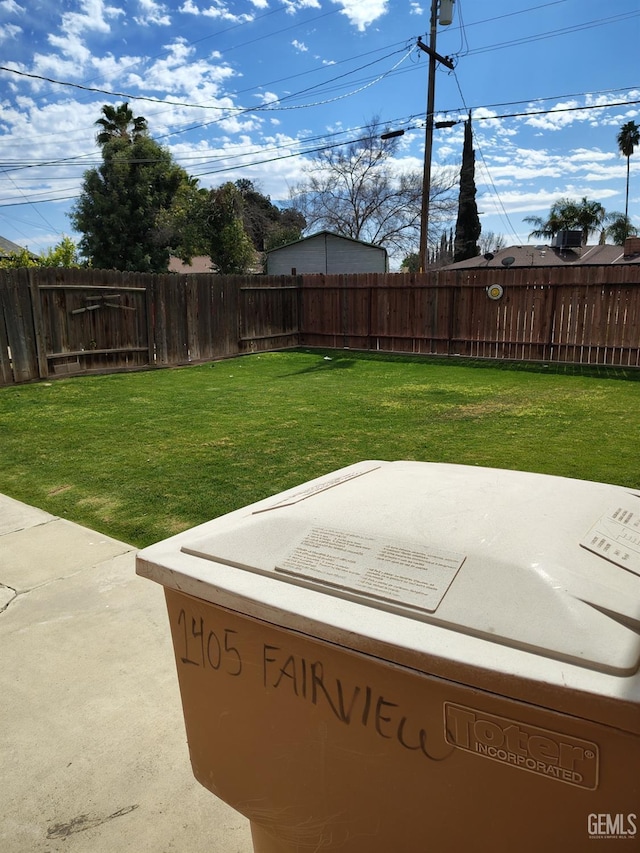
(619, 228)
(628, 138)
(567, 215)
(119, 123)
(588, 216)
(545, 229)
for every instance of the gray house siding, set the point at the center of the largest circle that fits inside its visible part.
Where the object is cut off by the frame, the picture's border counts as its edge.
(326, 253)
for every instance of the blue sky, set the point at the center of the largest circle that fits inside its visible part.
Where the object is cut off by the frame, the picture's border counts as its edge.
(243, 88)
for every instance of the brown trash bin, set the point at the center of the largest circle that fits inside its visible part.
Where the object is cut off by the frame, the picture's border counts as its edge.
(407, 656)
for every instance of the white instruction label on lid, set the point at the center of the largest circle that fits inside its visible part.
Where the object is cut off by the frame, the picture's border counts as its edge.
(616, 537)
(406, 573)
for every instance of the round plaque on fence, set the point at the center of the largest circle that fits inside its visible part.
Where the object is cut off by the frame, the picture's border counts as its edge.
(495, 291)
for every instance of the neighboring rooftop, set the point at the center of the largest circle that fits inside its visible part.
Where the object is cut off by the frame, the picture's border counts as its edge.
(544, 256)
(9, 248)
(201, 263)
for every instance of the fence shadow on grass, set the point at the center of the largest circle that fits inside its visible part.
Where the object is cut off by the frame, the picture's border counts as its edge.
(593, 371)
(334, 359)
(326, 362)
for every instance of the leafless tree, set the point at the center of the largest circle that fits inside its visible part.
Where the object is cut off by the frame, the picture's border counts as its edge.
(356, 190)
(490, 242)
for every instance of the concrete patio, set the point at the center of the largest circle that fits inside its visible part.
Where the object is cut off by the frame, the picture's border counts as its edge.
(93, 754)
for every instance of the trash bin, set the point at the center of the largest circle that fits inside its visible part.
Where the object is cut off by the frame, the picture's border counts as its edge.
(403, 657)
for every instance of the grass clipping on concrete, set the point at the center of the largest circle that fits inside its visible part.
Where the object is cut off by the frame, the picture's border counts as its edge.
(141, 456)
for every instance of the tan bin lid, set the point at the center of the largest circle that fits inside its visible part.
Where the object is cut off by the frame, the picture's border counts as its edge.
(544, 564)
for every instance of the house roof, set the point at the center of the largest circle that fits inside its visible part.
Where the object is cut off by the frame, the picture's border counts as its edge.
(329, 234)
(9, 248)
(201, 263)
(547, 256)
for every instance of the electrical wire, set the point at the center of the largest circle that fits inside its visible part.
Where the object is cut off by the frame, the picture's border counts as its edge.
(278, 104)
(225, 158)
(498, 46)
(587, 25)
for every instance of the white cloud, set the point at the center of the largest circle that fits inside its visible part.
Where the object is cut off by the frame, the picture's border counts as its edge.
(197, 80)
(9, 31)
(216, 10)
(489, 119)
(416, 9)
(72, 46)
(519, 173)
(12, 8)
(266, 162)
(292, 6)
(562, 115)
(152, 13)
(267, 97)
(361, 13)
(111, 69)
(446, 152)
(94, 17)
(300, 46)
(59, 67)
(590, 155)
(38, 130)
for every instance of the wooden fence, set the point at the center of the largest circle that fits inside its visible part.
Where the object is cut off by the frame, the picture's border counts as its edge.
(61, 321)
(72, 321)
(587, 315)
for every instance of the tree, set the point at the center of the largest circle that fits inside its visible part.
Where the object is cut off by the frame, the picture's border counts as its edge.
(18, 260)
(491, 242)
(619, 228)
(546, 229)
(268, 225)
(588, 216)
(567, 215)
(468, 226)
(122, 211)
(356, 191)
(63, 254)
(628, 138)
(229, 245)
(120, 123)
(183, 224)
(411, 263)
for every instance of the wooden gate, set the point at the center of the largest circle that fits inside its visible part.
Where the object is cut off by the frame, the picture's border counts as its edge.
(87, 328)
(71, 322)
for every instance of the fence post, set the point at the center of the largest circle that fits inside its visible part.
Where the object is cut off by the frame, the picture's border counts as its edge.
(36, 311)
(150, 305)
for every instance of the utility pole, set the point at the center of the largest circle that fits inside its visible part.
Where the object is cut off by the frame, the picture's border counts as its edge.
(446, 8)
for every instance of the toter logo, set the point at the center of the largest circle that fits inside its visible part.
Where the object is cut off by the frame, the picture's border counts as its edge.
(553, 755)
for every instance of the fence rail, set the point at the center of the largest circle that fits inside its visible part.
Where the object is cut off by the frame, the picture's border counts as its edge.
(59, 321)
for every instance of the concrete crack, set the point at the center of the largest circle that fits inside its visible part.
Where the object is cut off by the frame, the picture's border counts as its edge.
(7, 594)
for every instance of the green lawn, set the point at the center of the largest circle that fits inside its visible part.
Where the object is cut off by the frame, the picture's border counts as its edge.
(141, 456)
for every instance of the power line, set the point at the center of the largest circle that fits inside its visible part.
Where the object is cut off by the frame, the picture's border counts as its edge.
(587, 25)
(225, 158)
(230, 110)
(306, 152)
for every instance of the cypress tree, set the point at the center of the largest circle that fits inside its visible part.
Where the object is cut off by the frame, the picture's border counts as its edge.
(468, 223)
